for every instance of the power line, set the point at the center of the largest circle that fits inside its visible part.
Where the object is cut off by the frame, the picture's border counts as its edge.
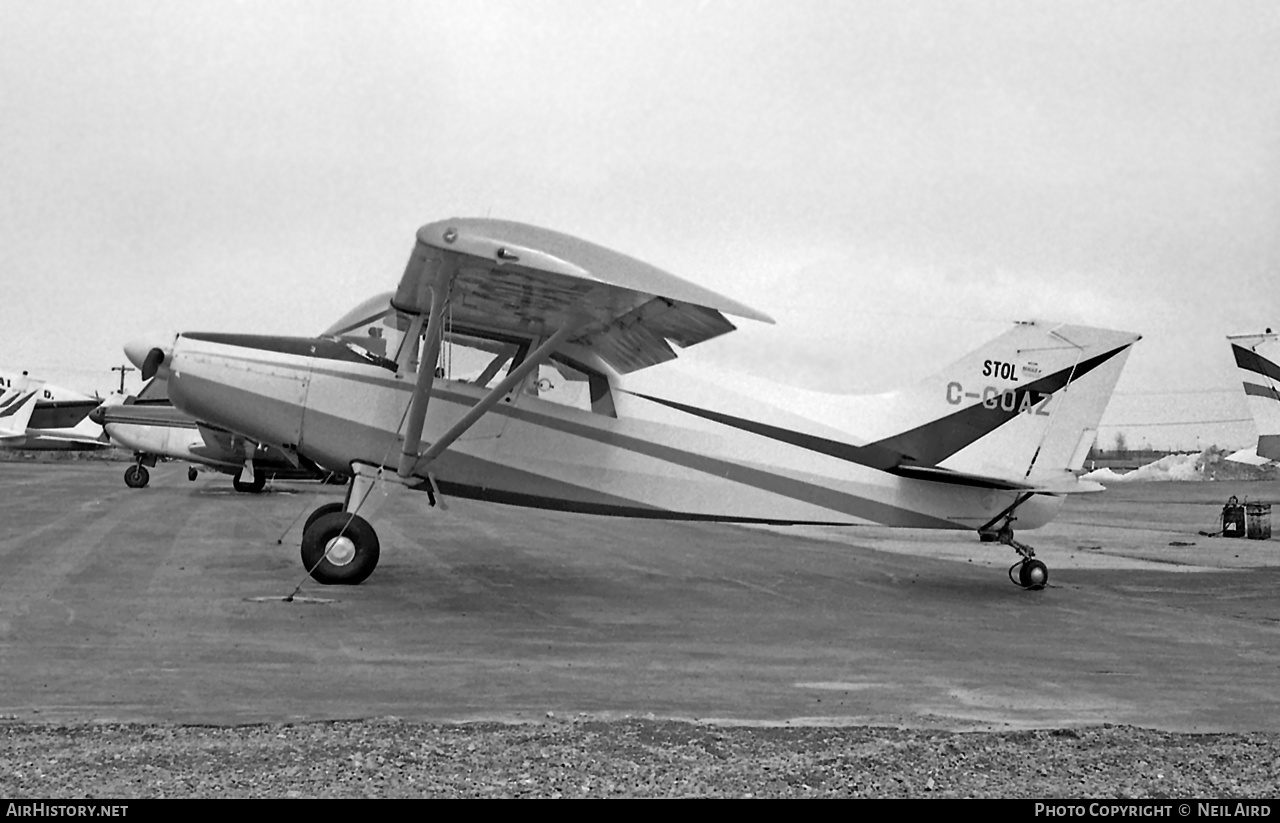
(1186, 423)
(1175, 392)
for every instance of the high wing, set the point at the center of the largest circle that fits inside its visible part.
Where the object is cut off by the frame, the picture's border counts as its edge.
(521, 279)
(557, 290)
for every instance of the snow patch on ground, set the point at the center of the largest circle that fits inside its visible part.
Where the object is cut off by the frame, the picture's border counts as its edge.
(1170, 467)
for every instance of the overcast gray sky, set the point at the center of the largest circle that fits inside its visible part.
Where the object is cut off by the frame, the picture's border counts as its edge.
(893, 181)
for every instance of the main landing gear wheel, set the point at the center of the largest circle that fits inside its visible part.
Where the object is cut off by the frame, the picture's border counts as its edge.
(136, 477)
(259, 480)
(1032, 574)
(327, 508)
(192, 474)
(339, 548)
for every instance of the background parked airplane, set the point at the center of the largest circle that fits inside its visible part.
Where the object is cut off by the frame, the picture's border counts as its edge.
(151, 427)
(59, 417)
(1257, 356)
(153, 430)
(998, 436)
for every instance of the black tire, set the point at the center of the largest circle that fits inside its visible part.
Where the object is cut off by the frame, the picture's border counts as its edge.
(136, 477)
(1033, 575)
(259, 481)
(192, 474)
(327, 508)
(363, 546)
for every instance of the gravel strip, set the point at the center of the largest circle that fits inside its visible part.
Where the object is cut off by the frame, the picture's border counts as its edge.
(625, 758)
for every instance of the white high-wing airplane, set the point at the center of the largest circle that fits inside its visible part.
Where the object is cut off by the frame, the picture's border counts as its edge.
(1257, 356)
(150, 427)
(57, 419)
(1000, 435)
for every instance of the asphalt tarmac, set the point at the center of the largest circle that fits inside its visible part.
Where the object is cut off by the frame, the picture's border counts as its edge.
(166, 605)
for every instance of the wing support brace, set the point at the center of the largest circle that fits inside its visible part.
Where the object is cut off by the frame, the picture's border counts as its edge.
(422, 389)
(504, 387)
(436, 278)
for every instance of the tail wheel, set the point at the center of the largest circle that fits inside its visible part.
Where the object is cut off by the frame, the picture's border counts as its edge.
(339, 548)
(259, 480)
(136, 477)
(192, 474)
(1033, 575)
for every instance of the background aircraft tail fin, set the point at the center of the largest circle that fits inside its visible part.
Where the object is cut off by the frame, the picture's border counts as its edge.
(1257, 359)
(16, 406)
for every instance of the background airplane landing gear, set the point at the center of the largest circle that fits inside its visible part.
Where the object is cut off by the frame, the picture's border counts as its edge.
(339, 548)
(136, 477)
(192, 474)
(259, 480)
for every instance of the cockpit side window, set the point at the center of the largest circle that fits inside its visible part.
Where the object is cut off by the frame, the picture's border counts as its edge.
(482, 359)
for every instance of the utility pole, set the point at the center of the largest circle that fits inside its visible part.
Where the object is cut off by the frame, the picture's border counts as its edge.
(122, 369)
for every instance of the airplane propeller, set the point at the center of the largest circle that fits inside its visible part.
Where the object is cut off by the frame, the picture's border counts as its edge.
(152, 363)
(146, 357)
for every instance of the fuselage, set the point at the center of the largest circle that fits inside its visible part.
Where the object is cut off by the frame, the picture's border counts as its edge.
(336, 409)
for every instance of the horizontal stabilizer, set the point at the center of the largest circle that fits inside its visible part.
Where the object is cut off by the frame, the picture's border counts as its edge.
(1068, 485)
(1249, 457)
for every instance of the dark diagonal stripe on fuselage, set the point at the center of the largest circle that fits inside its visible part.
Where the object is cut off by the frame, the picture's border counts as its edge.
(937, 440)
(873, 456)
(926, 445)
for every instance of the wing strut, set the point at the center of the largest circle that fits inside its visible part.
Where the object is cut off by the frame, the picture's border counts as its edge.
(422, 390)
(504, 386)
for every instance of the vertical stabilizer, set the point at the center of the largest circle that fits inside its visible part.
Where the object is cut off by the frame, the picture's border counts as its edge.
(1025, 407)
(16, 406)
(1257, 357)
